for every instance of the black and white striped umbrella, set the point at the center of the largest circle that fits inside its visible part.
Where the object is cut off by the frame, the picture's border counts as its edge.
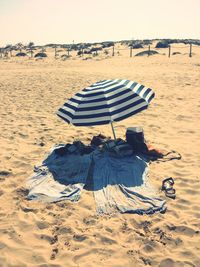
(105, 102)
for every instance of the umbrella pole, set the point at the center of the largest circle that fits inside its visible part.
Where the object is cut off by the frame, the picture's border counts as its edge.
(113, 131)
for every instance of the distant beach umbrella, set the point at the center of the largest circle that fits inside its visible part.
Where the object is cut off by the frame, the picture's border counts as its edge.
(105, 102)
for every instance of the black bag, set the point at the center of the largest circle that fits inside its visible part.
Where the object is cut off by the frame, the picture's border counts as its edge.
(135, 138)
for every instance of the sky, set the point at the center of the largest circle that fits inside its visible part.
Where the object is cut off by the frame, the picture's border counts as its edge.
(65, 21)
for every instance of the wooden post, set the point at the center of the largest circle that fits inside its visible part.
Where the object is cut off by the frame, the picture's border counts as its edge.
(31, 53)
(1, 52)
(113, 52)
(149, 50)
(68, 51)
(55, 51)
(131, 50)
(169, 51)
(190, 54)
(10, 52)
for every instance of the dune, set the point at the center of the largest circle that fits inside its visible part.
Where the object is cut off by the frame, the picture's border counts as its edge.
(73, 234)
(146, 53)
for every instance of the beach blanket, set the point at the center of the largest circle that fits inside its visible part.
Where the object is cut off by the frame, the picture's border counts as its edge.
(121, 183)
(59, 177)
(118, 183)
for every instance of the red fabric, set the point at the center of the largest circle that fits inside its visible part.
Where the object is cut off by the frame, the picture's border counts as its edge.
(154, 152)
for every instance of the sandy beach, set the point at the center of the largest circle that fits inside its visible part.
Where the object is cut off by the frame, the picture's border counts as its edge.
(73, 234)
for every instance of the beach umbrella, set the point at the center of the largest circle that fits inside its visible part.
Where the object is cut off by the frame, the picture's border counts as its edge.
(105, 102)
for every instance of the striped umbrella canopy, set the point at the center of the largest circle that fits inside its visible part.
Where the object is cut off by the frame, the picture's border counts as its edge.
(105, 102)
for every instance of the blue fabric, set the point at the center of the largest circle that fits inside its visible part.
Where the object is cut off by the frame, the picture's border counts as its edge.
(118, 183)
(59, 177)
(122, 184)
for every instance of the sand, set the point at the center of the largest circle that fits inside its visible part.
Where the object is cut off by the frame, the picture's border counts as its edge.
(72, 234)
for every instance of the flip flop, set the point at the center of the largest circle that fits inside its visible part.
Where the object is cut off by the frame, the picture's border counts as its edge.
(166, 181)
(170, 192)
(167, 187)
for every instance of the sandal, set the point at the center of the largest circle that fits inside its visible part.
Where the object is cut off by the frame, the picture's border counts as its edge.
(170, 192)
(167, 187)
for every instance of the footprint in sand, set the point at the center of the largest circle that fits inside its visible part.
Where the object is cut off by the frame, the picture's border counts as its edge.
(2, 245)
(4, 174)
(64, 230)
(54, 253)
(42, 225)
(79, 238)
(151, 246)
(49, 265)
(189, 264)
(89, 221)
(93, 254)
(167, 263)
(107, 241)
(24, 136)
(27, 209)
(1, 193)
(185, 230)
(50, 239)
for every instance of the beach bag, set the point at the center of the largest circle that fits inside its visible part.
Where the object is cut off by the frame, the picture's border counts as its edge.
(135, 138)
